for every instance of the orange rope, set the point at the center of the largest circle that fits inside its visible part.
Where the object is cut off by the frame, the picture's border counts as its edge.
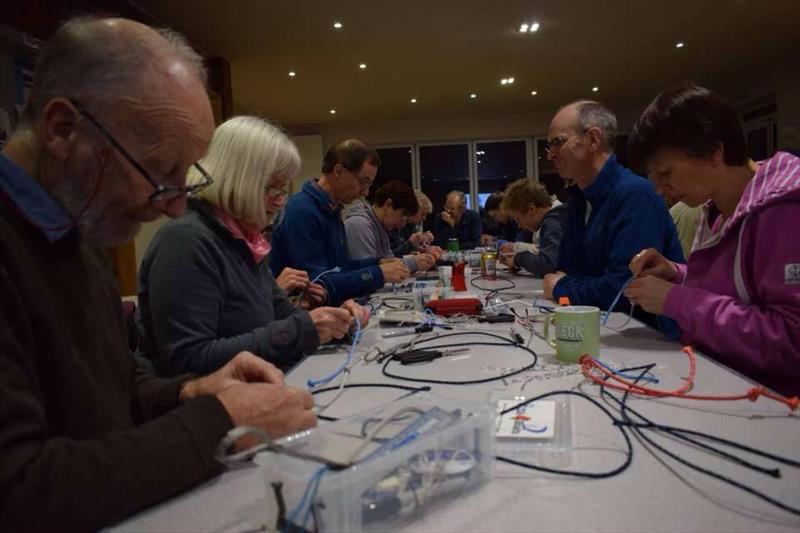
(602, 376)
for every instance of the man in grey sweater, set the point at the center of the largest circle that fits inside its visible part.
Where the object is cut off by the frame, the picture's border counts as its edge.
(368, 226)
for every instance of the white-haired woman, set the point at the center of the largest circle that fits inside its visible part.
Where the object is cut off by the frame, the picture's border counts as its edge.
(205, 290)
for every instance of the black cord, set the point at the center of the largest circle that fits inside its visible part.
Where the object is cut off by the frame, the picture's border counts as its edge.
(508, 342)
(411, 392)
(576, 473)
(511, 284)
(625, 409)
(407, 305)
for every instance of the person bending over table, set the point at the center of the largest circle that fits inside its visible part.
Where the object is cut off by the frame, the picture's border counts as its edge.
(532, 207)
(613, 213)
(367, 226)
(412, 237)
(738, 297)
(310, 234)
(457, 222)
(500, 224)
(206, 292)
(117, 114)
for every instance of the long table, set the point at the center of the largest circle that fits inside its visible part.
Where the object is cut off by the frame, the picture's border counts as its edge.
(655, 494)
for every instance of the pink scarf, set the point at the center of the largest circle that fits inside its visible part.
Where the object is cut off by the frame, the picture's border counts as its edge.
(255, 241)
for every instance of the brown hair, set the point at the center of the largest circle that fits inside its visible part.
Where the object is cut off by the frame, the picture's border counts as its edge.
(521, 194)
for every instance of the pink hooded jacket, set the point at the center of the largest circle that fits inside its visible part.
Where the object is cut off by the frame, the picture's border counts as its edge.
(738, 298)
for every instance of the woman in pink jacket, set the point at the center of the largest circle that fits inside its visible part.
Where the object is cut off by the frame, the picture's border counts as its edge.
(738, 297)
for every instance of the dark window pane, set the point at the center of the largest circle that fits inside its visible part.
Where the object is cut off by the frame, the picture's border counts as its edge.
(395, 165)
(499, 163)
(443, 168)
(758, 144)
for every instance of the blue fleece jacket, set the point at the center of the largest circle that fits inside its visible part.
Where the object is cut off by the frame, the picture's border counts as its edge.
(626, 216)
(310, 236)
(468, 231)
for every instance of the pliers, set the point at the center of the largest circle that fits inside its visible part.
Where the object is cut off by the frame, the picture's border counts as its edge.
(413, 357)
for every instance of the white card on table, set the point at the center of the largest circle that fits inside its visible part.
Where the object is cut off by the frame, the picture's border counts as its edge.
(535, 420)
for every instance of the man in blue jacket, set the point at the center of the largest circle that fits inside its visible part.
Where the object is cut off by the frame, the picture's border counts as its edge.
(613, 213)
(458, 222)
(310, 235)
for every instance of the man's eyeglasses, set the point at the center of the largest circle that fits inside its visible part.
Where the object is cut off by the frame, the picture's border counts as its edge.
(556, 143)
(162, 193)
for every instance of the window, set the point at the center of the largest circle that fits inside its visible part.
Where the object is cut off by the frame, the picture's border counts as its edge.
(396, 164)
(443, 168)
(499, 163)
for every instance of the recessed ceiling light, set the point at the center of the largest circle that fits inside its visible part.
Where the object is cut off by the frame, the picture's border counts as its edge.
(362, 66)
(679, 44)
(337, 25)
(413, 100)
(510, 80)
(534, 93)
(292, 74)
(595, 89)
(523, 28)
(534, 27)
(504, 81)
(333, 111)
(473, 95)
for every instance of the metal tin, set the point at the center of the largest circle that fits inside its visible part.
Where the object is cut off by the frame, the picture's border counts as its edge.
(452, 245)
(489, 264)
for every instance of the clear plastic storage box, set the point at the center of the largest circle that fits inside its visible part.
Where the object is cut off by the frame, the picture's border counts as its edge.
(409, 456)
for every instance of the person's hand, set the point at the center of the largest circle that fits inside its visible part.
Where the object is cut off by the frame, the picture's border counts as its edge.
(276, 409)
(448, 219)
(291, 279)
(245, 367)
(314, 296)
(507, 248)
(649, 293)
(427, 237)
(650, 262)
(331, 322)
(357, 311)
(418, 238)
(424, 261)
(435, 251)
(506, 258)
(549, 283)
(394, 271)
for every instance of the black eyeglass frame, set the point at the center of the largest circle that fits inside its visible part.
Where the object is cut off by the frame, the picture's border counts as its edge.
(162, 192)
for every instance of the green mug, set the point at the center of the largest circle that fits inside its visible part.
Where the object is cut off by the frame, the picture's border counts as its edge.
(577, 332)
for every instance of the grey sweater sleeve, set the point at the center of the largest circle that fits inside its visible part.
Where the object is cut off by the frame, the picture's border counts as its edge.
(362, 242)
(186, 289)
(545, 260)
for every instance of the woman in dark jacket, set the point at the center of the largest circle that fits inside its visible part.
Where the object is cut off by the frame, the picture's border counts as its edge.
(205, 290)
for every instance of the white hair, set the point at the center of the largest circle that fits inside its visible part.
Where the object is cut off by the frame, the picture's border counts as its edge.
(424, 202)
(243, 156)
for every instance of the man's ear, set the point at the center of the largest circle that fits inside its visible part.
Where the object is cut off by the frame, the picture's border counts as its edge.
(59, 123)
(595, 140)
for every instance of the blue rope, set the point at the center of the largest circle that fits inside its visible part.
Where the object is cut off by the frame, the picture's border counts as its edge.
(616, 299)
(307, 499)
(647, 377)
(311, 383)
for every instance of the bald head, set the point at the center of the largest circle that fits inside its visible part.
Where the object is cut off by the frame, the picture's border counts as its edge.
(584, 114)
(101, 62)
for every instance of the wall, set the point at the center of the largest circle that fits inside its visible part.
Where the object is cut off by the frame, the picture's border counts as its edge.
(311, 153)
(487, 126)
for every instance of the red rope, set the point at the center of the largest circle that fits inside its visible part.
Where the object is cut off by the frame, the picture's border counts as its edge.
(602, 376)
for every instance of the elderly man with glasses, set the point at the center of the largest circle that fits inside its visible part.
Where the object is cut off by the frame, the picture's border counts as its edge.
(117, 114)
(613, 213)
(458, 222)
(310, 235)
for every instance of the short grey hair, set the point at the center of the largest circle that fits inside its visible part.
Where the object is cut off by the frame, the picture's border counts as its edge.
(244, 155)
(462, 198)
(93, 62)
(592, 114)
